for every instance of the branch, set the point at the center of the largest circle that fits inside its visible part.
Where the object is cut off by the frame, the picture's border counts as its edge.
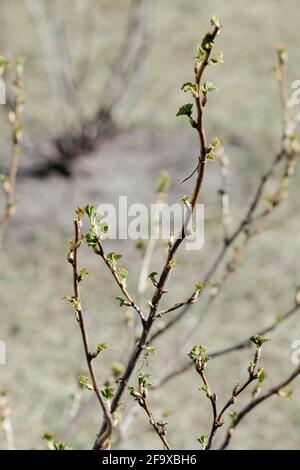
(255, 402)
(244, 344)
(14, 116)
(76, 302)
(200, 360)
(160, 289)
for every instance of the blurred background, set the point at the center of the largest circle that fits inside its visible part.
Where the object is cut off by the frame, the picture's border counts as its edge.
(102, 83)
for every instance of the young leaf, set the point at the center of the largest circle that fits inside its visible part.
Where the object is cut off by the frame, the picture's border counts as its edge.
(185, 110)
(189, 86)
(107, 392)
(259, 340)
(208, 87)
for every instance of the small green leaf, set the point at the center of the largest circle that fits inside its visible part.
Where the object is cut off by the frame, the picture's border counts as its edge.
(259, 340)
(198, 353)
(144, 379)
(83, 381)
(218, 58)
(189, 86)
(207, 42)
(203, 440)
(112, 258)
(80, 212)
(215, 21)
(199, 286)
(208, 87)
(74, 301)
(185, 110)
(107, 392)
(91, 239)
(123, 273)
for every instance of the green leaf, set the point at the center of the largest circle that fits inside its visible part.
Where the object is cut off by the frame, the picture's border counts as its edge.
(83, 381)
(59, 445)
(189, 86)
(122, 301)
(144, 379)
(107, 392)
(200, 53)
(203, 440)
(112, 258)
(91, 239)
(199, 286)
(123, 273)
(208, 87)
(262, 375)
(198, 353)
(259, 340)
(74, 301)
(215, 21)
(80, 212)
(207, 42)
(90, 211)
(215, 143)
(185, 110)
(218, 58)
(83, 273)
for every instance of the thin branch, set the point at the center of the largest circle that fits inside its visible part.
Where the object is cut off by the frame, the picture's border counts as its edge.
(255, 402)
(244, 344)
(160, 289)
(14, 116)
(120, 282)
(73, 259)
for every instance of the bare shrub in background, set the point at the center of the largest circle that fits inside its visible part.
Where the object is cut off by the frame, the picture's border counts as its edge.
(111, 392)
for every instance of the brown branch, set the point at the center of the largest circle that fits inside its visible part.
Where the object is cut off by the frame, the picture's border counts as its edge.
(16, 137)
(255, 402)
(244, 344)
(200, 364)
(73, 259)
(130, 302)
(160, 289)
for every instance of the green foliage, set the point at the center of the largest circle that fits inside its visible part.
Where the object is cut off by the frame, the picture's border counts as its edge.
(197, 353)
(107, 392)
(144, 379)
(185, 110)
(189, 86)
(74, 301)
(123, 273)
(199, 286)
(208, 87)
(259, 340)
(203, 440)
(83, 382)
(112, 258)
(215, 21)
(218, 58)
(207, 42)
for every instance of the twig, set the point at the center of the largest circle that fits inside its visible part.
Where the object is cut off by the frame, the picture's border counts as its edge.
(244, 344)
(160, 289)
(73, 259)
(14, 116)
(255, 402)
(130, 302)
